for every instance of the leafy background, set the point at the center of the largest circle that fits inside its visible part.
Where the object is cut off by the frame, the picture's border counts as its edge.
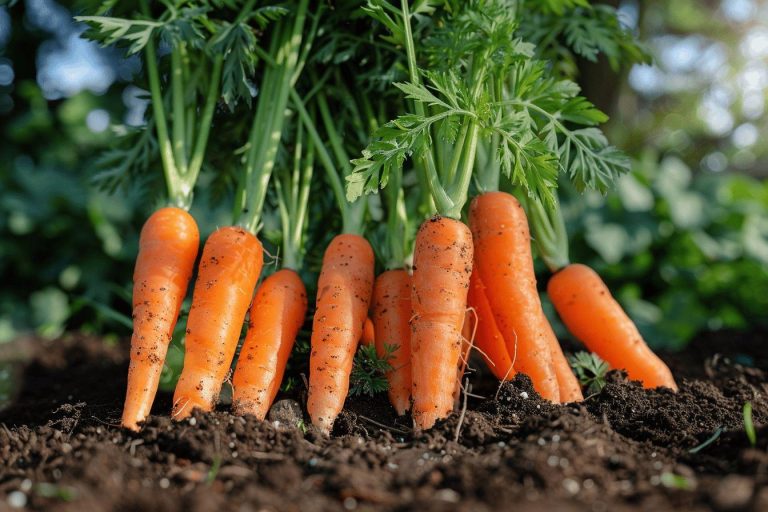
(682, 241)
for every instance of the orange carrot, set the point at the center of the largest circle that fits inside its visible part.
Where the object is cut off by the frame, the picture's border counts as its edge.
(488, 339)
(229, 268)
(369, 333)
(391, 314)
(442, 266)
(592, 314)
(567, 383)
(277, 314)
(167, 251)
(505, 264)
(343, 296)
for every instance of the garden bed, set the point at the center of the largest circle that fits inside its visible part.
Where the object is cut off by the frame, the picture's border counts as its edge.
(623, 449)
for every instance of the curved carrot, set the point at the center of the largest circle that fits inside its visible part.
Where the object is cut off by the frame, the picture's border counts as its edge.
(505, 264)
(567, 383)
(229, 268)
(591, 313)
(391, 315)
(369, 333)
(488, 339)
(343, 295)
(168, 247)
(442, 264)
(277, 314)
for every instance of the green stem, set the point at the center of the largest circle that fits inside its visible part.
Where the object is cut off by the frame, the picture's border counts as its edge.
(267, 129)
(201, 142)
(460, 190)
(549, 234)
(177, 100)
(325, 160)
(425, 164)
(176, 194)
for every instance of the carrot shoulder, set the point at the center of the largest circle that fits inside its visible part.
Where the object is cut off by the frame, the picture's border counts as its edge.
(168, 248)
(276, 316)
(391, 314)
(591, 313)
(505, 264)
(343, 296)
(228, 272)
(488, 339)
(442, 266)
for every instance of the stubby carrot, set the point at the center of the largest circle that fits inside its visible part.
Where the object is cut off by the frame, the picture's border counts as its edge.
(168, 247)
(505, 265)
(227, 275)
(391, 311)
(343, 296)
(277, 314)
(591, 313)
(369, 333)
(442, 264)
(488, 339)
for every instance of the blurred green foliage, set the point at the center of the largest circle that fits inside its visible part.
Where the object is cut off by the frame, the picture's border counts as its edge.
(684, 250)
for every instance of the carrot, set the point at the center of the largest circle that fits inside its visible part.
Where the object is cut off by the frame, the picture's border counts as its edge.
(488, 339)
(591, 313)
(369, 333)
(277, 314)
(343, 296)
(567, 383)
(442, 266)
(168, 247)
(391, 314)
(229, 268)
(505, 264)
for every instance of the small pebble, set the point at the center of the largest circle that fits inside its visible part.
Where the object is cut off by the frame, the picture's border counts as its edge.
(447, 495)
(164, 483)
(350, 503)
(192, 421)
(26, 485)
(524, 394)
(17, 499)
(286, 412)
(571, 486)
(733, 492)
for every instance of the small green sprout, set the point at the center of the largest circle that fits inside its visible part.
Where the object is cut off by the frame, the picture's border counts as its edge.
(214, 470)
(749, 426)
(708, 442)
(55, 492)
(675, 481)
(369, 370)
(590, 370)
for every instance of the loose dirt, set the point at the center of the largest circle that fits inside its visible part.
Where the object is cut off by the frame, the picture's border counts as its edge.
(624, 449)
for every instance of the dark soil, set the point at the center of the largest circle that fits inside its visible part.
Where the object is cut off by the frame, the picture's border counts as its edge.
(623, 449)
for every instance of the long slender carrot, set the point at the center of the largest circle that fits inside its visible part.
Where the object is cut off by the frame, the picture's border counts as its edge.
(277, 314)
(591, 313)
(442, 266)
(369, 333)
(567, 383)
(505, 265)
(343, 296)
(168, 247)
(391, 315)
(488, 339)
(228, 272)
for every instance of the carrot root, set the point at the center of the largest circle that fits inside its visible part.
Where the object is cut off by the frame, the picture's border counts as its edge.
(391, 311)
(276, 315)
(590, 312)
(228, 272)
(505, 265)
(343, 296)
(168, 248)
(442, 266)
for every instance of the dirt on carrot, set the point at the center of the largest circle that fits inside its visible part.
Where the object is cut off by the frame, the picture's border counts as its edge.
(624, 449)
